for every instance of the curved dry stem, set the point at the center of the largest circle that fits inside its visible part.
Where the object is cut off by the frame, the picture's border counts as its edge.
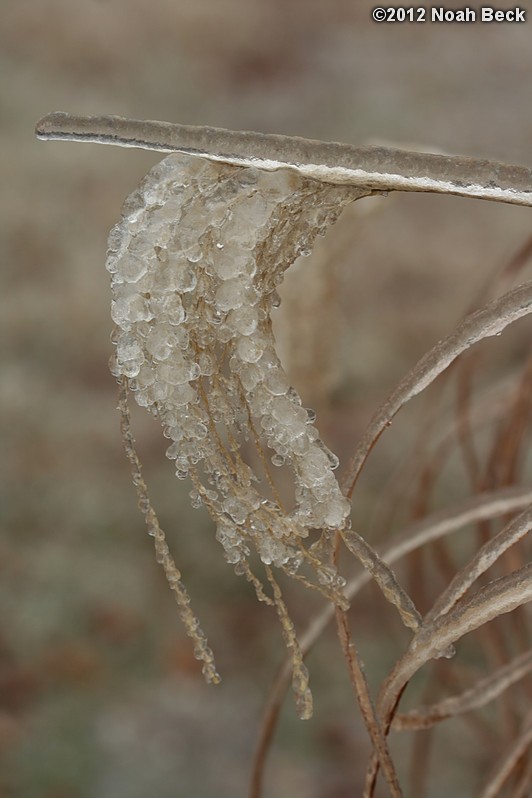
(508, 761)
(480, 562)
(497, 598)
(433, 527)
(488, 321)
(478, 696)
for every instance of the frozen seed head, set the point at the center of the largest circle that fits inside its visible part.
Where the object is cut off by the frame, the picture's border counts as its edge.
(194, 264)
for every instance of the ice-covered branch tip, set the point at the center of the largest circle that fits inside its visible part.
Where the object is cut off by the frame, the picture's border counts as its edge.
(375, 168)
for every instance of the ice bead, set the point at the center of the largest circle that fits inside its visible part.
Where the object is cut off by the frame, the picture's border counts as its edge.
(169, 307)
(131, 268)
(175, 372)
(130, 309)
(243, 320)
(236, 509)
(276, 382)
(283, 410)
(178, 274)
(232, 262)
(130, 368)
(249, 350)
(128, 347)
(182, 394)
(234, 293)
(250, 375)
(253, 213)
(336, 511)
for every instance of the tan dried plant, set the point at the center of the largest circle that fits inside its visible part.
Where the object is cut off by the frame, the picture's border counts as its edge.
(195, 264)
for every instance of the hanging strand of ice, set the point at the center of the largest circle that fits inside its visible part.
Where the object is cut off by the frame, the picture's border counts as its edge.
(162, 553)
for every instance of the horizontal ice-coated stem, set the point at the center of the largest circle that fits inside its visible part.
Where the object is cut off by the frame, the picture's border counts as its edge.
(377, 168)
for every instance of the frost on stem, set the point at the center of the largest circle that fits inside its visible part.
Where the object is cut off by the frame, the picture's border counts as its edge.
(195, 263)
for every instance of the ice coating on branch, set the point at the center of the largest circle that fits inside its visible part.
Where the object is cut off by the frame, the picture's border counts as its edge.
(194, 264)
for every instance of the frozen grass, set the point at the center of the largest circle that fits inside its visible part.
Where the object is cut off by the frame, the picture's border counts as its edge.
(184, 352)
(91, 647)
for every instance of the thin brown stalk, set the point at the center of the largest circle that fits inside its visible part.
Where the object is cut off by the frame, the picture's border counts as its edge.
(420, 764)
(495, 283)
(479, 695)
(421, 585)
(488, 321)
(489, 405)
(464, 419)
(522, 788)
(519, 260)
(360, 686)
(268, 725)
(502, 468)
(508, 761)
(507, 453)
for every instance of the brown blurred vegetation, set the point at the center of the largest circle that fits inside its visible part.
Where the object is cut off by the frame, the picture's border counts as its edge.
(99, 693)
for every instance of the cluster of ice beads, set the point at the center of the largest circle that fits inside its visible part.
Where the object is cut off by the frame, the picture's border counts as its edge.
(195, 262)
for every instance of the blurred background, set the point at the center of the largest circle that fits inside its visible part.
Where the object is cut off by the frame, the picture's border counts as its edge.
(100, 695)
